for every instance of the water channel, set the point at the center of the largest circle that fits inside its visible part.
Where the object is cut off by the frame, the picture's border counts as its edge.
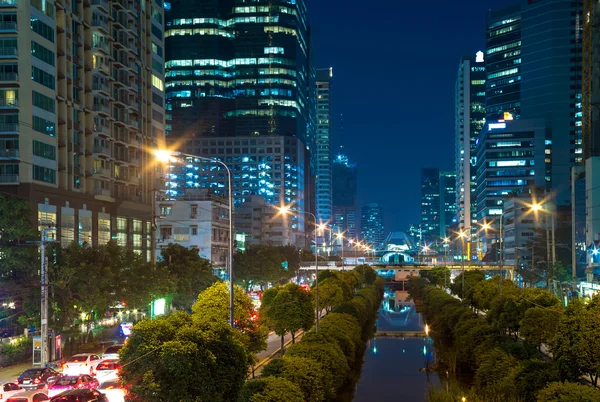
(394, 367)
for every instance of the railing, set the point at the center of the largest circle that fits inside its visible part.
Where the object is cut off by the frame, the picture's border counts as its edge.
(9, 153)
(100, 86)
(9, 128)
(9, 77)
(9, 178)
(100, 23)
(98, 107)
(8, 26)
(99, 149)
(134, 161)
(101, 191)
(8, 3)
(101, 129)
(101, 3)
(8, 52)
(9, 103)
(101, 172)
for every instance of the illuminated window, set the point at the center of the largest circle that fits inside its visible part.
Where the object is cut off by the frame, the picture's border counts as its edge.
(67, 227)
(157, 83)
(103, 231)
(85, 229)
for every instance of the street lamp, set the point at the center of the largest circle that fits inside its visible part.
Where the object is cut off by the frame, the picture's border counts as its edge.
(284, 210)
(165, 156)
(446, 241)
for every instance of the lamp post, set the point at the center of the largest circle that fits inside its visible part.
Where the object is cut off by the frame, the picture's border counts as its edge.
(446, 241)
(284, 210)
(166, 155)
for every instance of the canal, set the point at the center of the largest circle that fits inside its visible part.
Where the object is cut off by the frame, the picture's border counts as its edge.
(394, 368)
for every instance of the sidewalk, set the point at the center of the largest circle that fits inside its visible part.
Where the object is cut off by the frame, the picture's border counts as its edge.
(10, 373)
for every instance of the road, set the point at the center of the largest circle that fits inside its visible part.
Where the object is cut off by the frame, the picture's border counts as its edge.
(9, 374)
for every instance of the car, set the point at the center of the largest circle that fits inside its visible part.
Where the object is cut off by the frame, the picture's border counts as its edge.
(67, 382)
(113, 390)
(81, 395)
(29, 396)
(125, 329)
(107, 370)
(112, 352)
(83, 363)
(37, 378)
(8, 389)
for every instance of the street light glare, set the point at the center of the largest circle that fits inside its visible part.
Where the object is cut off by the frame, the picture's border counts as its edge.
(163, 155)
(536, 207)
(284, 210)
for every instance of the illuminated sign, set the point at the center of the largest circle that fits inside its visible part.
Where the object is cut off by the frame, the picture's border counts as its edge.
(508, 116)
(479, 57)
(159, 307)
(494, 126)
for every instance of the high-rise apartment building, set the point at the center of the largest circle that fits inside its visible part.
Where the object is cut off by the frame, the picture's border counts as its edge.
(430, 204)
(469, 120)
(239, 87)
(81, 99)
(503, 63)
(323, 152)
(372, 225)
(345, 180)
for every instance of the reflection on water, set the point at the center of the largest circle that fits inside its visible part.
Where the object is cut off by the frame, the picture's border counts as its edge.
(396, 368)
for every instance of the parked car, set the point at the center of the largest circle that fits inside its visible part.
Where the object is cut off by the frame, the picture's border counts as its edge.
(113, 390)
(84, 363)
(107, 370)
(29, 396)
(112, 352)
(9, 389)
(37, 378)
(81, 395)
(66, 383)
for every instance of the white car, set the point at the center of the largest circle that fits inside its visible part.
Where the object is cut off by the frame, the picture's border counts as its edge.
(83, 363)
(108, 370)
(29, 396)
(9, 389)
(113, 390)
(112, 352)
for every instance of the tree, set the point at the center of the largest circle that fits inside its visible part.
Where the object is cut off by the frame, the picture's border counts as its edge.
(178, 358)
(331, 293)
(213, 305)
(261, 265)
(568, 392)
(271, 389)
(491, 374)
(287, 309)
(539, 325)
(436, 276)
(472, 278)
(485, 292)
(368, 274)
(190, 273)
(307, 374)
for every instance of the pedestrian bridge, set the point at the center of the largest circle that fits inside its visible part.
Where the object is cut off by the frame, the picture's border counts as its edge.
(380, 266)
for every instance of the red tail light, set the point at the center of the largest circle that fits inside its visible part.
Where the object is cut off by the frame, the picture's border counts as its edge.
(37, 381)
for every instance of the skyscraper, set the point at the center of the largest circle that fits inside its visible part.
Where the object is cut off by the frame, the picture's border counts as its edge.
(430, 204)
(503, 63)
(82, 98)
(372, 225)
(239, 87)
(447, 202)
(323, 158)
(345, 180)
(469, 120)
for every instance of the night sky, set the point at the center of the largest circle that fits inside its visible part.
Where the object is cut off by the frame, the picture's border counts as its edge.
(395, 64)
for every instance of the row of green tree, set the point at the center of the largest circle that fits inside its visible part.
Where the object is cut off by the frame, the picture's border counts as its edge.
(326, 364)
(499, 336)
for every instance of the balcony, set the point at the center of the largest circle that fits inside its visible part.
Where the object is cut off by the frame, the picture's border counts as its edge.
(100, 108)
(101, 129)
(101, 191)
(8, 27)
(9, 178)
(100, 24)
(8, 53)
(100, 86)
(99, 149)
(9, 153)
(8, 3)
(9, 103)
(101, 172)
(8, 128)
(134, 161)
(8, 77)
(102, 4)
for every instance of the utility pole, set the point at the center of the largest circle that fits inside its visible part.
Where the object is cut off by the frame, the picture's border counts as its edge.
(44, 310)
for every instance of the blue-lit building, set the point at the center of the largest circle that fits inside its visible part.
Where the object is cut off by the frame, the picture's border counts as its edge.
(430, 204)
(239, 87)
(345, 187)
(372, 225)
